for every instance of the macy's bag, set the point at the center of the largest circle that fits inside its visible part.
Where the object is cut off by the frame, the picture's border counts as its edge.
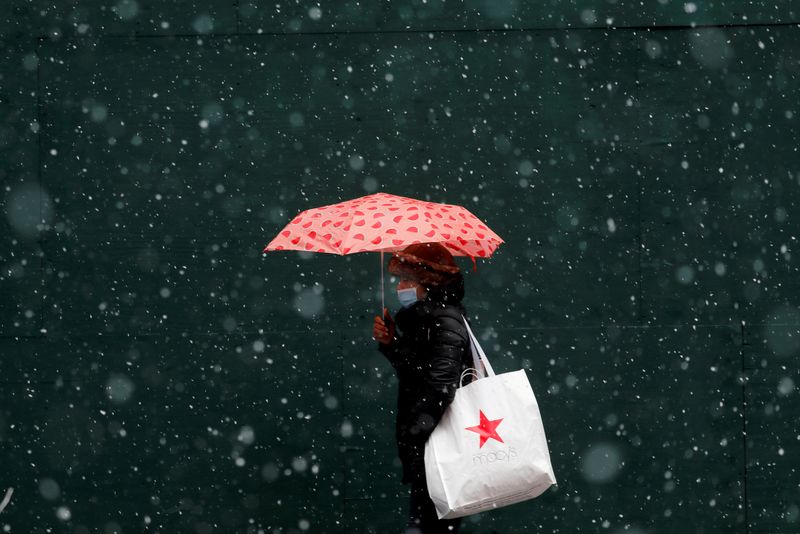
(489, 449)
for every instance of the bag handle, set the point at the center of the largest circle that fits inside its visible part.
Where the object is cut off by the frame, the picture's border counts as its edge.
(467, 372)
(478, 356)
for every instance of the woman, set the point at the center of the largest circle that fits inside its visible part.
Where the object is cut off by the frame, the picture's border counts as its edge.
(428, 354)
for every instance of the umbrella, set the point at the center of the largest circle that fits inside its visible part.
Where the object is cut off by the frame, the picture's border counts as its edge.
(386, 223)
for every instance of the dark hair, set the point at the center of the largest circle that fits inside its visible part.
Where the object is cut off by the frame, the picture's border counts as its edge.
(451, 291)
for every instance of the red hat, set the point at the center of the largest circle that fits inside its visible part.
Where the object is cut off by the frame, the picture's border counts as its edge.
(430, 264)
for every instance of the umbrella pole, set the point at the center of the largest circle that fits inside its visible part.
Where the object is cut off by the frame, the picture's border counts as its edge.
(382, 298)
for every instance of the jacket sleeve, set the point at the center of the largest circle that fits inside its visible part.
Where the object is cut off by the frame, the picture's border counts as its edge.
(397, 352)
(447, 346)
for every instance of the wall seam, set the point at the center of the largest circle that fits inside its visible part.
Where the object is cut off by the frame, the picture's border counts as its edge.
(746, 474)
(638, 137)
(237, 33)
(39, 174)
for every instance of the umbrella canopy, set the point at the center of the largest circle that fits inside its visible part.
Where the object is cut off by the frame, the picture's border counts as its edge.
(386, 223)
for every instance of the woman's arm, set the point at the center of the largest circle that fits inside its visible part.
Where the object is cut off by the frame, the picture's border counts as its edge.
(446, 349)
(390, 343)
(397, 351)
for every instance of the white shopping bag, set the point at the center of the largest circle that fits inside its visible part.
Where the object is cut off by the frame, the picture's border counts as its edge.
(489, 449)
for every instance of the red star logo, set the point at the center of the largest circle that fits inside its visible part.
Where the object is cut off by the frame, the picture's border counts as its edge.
(487, 428)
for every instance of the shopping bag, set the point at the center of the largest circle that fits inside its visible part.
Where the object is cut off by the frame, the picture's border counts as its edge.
(489, 449)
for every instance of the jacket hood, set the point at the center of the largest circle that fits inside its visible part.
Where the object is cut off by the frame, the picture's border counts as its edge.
(449, 294)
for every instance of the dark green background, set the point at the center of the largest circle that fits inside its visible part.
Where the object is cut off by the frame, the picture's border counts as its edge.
(157, 373)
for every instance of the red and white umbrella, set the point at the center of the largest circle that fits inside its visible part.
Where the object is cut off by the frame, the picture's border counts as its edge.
(386, 223)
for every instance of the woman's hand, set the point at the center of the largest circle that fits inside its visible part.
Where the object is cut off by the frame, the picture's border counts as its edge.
(383, 329)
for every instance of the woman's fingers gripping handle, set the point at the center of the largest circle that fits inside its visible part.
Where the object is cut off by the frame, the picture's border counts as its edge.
(383, 329)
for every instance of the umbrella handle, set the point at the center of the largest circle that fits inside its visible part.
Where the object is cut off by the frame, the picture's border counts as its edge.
(383, 305)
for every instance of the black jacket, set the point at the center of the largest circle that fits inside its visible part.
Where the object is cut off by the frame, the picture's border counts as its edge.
(428, 356)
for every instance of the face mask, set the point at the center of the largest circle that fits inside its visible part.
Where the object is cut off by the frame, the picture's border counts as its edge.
(407, 296)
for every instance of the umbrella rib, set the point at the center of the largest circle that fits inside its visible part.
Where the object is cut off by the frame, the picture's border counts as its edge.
(346, 239)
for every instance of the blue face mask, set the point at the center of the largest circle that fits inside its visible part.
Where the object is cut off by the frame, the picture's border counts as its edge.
(407, 296)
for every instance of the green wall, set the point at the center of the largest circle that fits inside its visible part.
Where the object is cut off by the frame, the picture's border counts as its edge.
(158, 373)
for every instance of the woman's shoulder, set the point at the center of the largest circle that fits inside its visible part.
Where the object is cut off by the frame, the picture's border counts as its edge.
(447, 310)
(428, 310)
(450, 317)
